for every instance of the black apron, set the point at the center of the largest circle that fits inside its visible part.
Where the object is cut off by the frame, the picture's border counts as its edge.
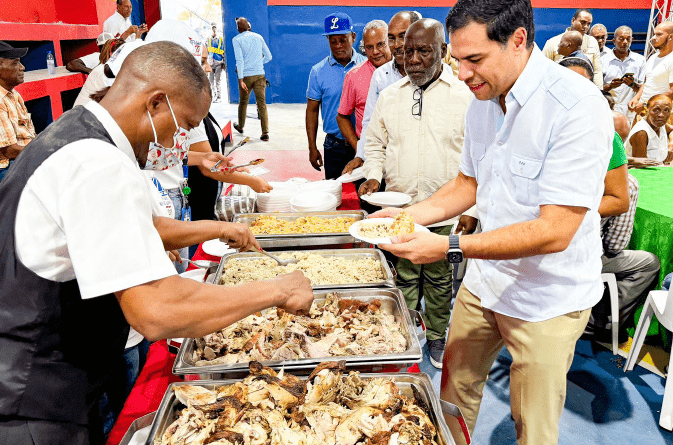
(204, 189)
(56, 348)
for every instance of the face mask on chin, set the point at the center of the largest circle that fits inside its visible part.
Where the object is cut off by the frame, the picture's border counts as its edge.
(161, 158)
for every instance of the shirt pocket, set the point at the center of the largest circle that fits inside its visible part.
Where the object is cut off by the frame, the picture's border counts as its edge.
(525, 176)
(477, 153)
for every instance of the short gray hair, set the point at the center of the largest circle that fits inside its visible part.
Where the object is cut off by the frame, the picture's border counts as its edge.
(598, 26)
(624, 28)
(375, 24)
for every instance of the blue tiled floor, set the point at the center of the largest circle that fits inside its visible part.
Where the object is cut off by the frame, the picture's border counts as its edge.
(604, 405)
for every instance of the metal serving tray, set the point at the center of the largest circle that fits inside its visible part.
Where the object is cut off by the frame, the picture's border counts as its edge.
(303, 239)
(170, 407)
(392, 302)
(388, 276)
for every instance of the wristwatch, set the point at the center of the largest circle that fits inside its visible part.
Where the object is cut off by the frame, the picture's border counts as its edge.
(454, 255)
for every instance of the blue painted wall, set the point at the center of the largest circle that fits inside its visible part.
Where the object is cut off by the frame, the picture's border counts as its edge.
(294, 36)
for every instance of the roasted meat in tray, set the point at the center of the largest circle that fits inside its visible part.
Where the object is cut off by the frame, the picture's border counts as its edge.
(330, 407)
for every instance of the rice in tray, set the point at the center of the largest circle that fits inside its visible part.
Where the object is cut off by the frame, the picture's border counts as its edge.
(320, 270)
(271, 225)
(403, 223)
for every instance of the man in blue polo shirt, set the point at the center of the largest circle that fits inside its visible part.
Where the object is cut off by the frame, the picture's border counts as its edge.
(324, 94)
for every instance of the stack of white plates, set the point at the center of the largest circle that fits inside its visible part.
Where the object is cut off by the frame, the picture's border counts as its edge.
(313, 202)
(328, 186)
(278, 199)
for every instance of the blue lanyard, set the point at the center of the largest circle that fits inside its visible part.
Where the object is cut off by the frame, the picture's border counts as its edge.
(157, 184)
(186, 190)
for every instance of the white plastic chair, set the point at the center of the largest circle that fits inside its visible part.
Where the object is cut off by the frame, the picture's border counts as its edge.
(659, 303)
(614, 308)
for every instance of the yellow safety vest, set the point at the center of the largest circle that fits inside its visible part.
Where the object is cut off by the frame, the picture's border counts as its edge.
(213, 49)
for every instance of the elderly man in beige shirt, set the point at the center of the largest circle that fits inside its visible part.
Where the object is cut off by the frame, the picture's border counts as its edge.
(580, 22)
(415, 139)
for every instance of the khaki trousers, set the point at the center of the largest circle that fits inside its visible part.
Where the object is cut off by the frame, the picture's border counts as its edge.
(256, 84)
(542, 353)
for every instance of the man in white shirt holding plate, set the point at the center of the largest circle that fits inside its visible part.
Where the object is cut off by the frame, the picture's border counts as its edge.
(534, 162)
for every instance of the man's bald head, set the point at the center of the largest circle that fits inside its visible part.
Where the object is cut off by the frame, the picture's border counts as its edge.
(424, 49)
(411, 16)
(242, 24)
(164, 64)
(570, 42)
(622, 126)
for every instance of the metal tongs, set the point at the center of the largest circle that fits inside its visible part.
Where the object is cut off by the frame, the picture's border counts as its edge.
(238, 145)
(275, 258)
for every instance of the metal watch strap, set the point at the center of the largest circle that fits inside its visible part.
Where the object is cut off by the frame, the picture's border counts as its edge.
(454, 242)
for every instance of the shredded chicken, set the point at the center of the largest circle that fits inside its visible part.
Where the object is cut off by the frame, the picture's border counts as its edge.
(333, 327)
(280, 409)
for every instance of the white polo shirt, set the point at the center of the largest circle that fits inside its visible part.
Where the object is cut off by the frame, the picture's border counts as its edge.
(85, 213)
(551, 147)
(116, 24)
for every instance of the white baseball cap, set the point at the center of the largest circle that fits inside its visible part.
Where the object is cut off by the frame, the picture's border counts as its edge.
(104, 37)
(117, 58)
(177, 32)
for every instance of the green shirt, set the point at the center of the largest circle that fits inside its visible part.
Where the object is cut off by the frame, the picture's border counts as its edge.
(618, 154)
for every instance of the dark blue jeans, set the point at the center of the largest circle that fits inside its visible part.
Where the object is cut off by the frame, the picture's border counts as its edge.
(3, 171)
(338, 153)
(666, 285)
(121, 384)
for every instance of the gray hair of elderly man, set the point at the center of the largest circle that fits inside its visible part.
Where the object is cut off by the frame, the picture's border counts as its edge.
(624, 29)
(374, 24)
(598, 26)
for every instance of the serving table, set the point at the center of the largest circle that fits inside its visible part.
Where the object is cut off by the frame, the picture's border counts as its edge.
(157, 374)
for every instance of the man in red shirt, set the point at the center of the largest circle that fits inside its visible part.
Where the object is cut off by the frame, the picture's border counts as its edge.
(356, 83)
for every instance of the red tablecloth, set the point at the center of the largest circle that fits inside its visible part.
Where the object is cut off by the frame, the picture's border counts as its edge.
(157, 373)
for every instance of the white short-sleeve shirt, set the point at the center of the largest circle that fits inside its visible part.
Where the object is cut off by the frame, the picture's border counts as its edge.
(552, 147)
(613, 68)
(85, 213)
(658, 76)
(95, 81)
(116, 25)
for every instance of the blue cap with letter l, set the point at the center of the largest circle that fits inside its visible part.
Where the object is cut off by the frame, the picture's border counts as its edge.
(338, 23)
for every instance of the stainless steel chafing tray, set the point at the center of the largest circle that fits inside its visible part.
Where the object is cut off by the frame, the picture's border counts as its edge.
(392, 302)
(303, 239)
(388, 275)
(169, 409)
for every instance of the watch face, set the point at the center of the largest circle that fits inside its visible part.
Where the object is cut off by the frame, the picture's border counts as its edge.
(455, 257)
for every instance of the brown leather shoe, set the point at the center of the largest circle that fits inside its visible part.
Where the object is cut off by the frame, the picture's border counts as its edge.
(265, 137)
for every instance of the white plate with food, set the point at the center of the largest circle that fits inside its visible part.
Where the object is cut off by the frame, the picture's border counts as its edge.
(357, 174)
(387, 199)
(380, 230)
(215, 247)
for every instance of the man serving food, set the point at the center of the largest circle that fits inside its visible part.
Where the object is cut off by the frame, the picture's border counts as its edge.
(537, 268)
(81, 248)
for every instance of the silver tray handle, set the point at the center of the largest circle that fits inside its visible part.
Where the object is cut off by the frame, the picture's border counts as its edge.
(452, 410)
(416, 316)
